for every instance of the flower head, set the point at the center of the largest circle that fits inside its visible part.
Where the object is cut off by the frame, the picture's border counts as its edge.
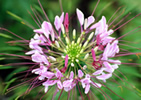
(62, 62)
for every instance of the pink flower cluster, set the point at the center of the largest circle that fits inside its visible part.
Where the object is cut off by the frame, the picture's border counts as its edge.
(57, 72)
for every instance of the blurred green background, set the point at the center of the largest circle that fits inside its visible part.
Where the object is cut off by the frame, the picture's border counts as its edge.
(52, 8)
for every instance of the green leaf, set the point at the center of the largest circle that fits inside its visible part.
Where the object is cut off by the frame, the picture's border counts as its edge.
(2, 58)
(5, 67)
(5, 35)
(15, 16)
(8, 84)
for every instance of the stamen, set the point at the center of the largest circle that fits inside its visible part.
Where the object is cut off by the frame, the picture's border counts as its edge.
(74, 34)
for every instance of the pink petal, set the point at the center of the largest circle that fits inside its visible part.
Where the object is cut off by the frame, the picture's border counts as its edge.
(48, 74)
(41, 78)
(44, 59)
(66, 61)
(87, 76)
(94, 26)
(36, 36)
(42, 38)
(87, 88)
(110, 32)
(108, 67)
(47, 28)
(80, 16)
(51, 82)
(103, 22)
(58, 74)
(67, 83)
(62, 17)
(59, 84)
(90, 21)
(93, 54)
(36, 70)
(118, 62)
(104, 76)
(30, 52)
(98, 72)
(71, 75)
(57, 23)
(80, 73)
(36, 57)
(96, 84)
(38, 31)
(115, 66)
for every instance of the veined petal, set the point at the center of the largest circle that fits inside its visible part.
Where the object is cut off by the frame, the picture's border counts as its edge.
(108, 67)
(67, 83)
(80, 16)
(59, 84)
(58, 74)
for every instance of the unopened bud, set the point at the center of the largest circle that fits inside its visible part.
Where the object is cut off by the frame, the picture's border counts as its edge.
(74, 33)
(67, 40)
(62, 28)
(90, 36)
(52, 58)
(84, 67)
(78, 41)
(85, 24)
(86, 56)
(72, 64)
(57, 44)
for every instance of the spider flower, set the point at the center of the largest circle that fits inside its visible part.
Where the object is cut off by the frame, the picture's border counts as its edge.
(67, 59)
